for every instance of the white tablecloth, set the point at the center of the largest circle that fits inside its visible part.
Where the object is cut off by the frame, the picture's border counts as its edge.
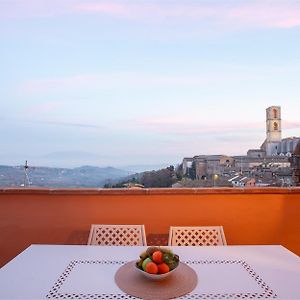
(87, 272)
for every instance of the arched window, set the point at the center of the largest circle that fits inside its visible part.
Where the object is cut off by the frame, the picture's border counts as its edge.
(275, 126)
(275, 113)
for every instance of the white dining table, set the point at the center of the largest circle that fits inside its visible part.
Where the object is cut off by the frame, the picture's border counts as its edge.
(87, 272)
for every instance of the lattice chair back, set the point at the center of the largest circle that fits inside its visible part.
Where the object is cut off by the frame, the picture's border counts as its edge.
(117, 235)
(197, 236)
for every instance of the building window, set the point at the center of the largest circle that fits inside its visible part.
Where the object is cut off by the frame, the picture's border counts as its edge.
(275, 126)
(275, 113)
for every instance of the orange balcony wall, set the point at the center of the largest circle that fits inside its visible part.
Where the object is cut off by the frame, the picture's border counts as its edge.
(63, 216)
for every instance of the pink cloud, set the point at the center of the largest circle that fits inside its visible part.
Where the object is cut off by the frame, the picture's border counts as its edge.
(44, 107)
(290, 124)
(232, 15)
(187, 127)
(109, 80)
(266, 14)
(104, 8)
(55, 84)
(72, 124)
(34, 8)
(246, 14)
(226, 130)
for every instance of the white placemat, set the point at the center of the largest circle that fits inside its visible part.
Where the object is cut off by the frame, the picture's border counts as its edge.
(217, 279)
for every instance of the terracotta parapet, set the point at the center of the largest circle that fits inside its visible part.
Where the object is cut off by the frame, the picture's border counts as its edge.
(150, 191)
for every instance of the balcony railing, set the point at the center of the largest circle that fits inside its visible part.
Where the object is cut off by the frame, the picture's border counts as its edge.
(63, 216)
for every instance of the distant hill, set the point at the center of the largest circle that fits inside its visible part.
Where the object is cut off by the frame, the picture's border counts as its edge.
(85, 176)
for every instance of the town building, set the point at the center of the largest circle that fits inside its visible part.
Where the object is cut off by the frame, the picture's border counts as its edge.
(274, 144)
(273, 154)
(295, 165)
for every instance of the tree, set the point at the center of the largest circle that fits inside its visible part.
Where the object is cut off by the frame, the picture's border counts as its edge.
(179, 172)
(161, 178)
(192, 171)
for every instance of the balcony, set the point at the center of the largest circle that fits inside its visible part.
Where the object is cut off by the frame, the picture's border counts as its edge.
(63, 216)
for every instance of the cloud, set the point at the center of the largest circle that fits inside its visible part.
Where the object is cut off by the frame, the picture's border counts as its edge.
(231, 134)
(109, 8)
(110, 80)
(186, 127)
(34, 8)
(70, 124)
(290, 124)
(44, 107)
(233, 15)
(121, 79)
(229, 13)
(62, 155)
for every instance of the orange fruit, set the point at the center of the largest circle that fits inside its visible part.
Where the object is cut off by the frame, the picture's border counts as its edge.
(151, 268)
(157, 257)
(163, 268)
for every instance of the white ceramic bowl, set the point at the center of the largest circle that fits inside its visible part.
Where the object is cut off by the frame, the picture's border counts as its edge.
(156, 276)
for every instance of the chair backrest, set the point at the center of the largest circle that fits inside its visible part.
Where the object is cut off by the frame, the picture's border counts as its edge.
(197, 236)
(117, 235)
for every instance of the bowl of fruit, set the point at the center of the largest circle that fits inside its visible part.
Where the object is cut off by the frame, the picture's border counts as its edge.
(157, 263)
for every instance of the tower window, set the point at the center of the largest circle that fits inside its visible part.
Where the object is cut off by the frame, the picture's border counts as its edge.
(275, 113)
(275, 126)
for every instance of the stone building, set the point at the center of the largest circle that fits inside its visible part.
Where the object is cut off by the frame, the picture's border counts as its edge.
(274, 144)
(295, 165)
(271, 145)
(288, 145)
(274, 153)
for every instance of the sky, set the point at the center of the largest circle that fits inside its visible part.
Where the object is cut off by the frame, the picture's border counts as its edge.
(118, 83)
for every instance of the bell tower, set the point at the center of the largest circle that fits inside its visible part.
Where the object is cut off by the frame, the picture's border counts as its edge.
(273, 127)
(273, 124)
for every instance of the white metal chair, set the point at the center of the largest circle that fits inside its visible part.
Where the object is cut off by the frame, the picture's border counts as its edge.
(117, 235)
(197, 236)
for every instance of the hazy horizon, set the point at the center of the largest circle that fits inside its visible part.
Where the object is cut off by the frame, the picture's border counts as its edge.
(118, 83)
(129, 168)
